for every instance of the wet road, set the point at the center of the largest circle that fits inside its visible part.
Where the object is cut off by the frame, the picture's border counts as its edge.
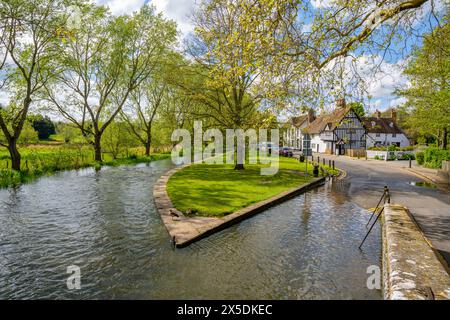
(429, 206)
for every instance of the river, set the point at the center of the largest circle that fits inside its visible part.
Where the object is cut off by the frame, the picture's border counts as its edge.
(106, 224)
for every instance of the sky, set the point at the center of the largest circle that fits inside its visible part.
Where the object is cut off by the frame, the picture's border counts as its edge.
(381, 86)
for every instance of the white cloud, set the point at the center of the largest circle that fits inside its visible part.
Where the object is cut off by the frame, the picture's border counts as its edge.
(179, 11)
(4, 98)
(321, 3)
(119, 7)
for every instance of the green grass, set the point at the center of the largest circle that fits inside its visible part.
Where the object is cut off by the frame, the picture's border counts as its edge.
(42, 159)
(218, 190)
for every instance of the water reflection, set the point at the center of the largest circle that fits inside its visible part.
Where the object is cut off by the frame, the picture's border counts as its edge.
(105, 222)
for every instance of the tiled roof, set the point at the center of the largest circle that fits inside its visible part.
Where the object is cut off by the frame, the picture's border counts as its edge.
(381, 125)
(298, 121)
(332, 119)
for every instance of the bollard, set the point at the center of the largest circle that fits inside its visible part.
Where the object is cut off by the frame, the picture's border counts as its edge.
(410, 162)
(318, 159)
(316, 170)
(323, 161)
(329, 163)
(333, 164)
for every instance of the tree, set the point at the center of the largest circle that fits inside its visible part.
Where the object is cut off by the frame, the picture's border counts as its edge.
(429, 95)
(43, 125)
(28, 37)
(104, 61)
(227, 67)
(358, 107)
(304, 46)
(117, 139)
(147, 100)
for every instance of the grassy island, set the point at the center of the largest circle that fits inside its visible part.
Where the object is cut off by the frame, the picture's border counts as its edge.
(218, 190)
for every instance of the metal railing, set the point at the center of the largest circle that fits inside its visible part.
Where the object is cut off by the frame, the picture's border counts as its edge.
(387, 199)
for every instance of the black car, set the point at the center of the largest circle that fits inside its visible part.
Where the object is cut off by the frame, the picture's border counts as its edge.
(286, 152)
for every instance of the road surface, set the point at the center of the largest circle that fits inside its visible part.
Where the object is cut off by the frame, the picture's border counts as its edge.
(430, 207)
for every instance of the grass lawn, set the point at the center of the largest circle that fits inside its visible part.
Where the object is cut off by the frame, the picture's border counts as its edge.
(44, 159)
(218, 190)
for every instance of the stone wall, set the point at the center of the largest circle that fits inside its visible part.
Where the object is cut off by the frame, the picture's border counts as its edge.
(411, 269)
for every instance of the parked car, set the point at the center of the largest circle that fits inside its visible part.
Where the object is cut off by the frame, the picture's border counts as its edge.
(286, 152)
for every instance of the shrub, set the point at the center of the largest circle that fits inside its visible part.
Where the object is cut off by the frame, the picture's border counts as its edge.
(407, 156)
(377, 157)
(392, 148)
(420, 156)
(433, 157)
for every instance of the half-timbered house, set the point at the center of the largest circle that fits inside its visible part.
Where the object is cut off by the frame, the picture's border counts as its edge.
(341, 132)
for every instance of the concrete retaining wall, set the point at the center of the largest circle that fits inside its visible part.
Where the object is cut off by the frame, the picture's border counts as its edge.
(411, 269)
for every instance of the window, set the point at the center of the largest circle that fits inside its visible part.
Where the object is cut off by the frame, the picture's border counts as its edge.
(394, 135)
(313, 145)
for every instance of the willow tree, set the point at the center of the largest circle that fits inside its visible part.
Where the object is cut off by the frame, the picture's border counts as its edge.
(102, 62)
(428, 93)
(150, 97)
(28, 39)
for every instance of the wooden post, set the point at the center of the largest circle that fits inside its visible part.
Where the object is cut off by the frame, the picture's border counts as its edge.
(410, 163)
(333, 164)
(323, 161)
(329, 163)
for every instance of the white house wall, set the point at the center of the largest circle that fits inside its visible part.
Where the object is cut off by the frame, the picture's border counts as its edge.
(387, 139)
(317, 144)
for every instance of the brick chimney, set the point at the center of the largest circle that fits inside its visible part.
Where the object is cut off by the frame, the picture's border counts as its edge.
(311, 115)
(378, 114)
(340, 103)
(394, 115)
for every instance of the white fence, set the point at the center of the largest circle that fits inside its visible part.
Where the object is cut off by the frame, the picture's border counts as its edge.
(387, 155)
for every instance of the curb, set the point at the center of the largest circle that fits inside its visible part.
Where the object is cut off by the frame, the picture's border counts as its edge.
(186, 230)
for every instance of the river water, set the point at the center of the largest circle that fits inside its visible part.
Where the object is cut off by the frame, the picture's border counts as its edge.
(106, 224)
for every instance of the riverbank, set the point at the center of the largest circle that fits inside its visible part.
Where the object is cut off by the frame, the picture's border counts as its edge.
(44, 160)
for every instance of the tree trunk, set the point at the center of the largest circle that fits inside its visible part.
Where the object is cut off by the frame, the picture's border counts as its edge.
(98, 148)
(444, 138)
(148, 145)
(15, 155)
(239, 166)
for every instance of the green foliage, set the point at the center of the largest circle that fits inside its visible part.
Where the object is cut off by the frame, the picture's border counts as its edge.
(9, 178)
(377, 157)
(358, 107)
(28, 135)
(428, 94)
(43, 160)
(43, 125)
(434, 156)
(420, 156)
